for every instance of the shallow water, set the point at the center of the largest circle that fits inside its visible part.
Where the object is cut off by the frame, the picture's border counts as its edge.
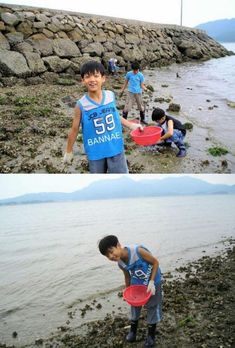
(201, 86)
(49, 262)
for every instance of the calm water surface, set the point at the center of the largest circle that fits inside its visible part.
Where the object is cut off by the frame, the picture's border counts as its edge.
(49, 260)
(201, 85)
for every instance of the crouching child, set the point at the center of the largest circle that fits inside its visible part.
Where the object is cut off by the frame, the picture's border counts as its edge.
(173, 131)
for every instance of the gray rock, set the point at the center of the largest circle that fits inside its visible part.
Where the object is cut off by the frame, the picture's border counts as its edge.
(15, 37)
(132, 54)
(75, 35)
(23, 47)
(41, 17)
(13, 63)
(60, 34)
(26, 15)
(4, 44)
(41, 44)
(65, 48)
(10, 18)
(35, 62)
(56, 64)
(94, 49)
(174, 107)
(26, 28)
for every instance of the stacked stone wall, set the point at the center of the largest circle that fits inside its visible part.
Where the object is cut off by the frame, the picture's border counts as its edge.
(37, 42)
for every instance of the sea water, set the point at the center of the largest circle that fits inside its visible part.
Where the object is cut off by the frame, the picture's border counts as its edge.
(204, 90)
(49, 259)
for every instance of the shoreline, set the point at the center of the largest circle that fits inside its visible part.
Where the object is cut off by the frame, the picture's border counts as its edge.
(197, 312)
(36, 121)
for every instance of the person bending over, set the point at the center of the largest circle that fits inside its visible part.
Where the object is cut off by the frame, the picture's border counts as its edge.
(139, 266)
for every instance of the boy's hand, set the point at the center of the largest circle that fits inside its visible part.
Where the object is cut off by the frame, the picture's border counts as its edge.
(68, 157)
(134, 126)
(151, 287)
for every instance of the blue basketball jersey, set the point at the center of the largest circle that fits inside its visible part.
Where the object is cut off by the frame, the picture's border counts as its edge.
(139, 269)
(101, 127)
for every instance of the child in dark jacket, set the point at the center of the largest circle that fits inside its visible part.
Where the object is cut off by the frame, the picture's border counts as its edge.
(173, 130)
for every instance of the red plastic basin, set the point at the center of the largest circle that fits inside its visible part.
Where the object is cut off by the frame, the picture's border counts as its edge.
(136, 295)
(149, 136)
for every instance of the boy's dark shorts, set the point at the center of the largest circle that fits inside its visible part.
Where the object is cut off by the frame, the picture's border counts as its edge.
(153, 306)
(115, 164)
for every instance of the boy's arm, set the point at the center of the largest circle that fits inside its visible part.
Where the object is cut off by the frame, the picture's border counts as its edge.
(144, 88)
(169, 132)
(124, 87)
(72, 136)
(150, 259)
(130, 125)
(127, 278)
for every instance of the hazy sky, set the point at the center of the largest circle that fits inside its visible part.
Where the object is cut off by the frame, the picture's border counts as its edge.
(158, 11)
(12, 185)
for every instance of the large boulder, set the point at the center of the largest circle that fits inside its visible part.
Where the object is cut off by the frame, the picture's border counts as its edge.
(35, 62)
(9, 18)
(13, 63)
(15, 37)
(65, 48)
(56, 64)
(94, 49)
(41, 44)
(4, 44)
(194, 52)
(132, 54)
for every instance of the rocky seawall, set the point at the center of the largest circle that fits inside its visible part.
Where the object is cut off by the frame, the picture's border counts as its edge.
(38, 44)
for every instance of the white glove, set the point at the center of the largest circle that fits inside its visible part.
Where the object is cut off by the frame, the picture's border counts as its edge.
(151, 287)
(134, 126)
(68, 157)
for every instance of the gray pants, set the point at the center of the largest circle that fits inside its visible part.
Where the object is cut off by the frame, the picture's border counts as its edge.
(115, 164)
(153, 306)
(133, 98)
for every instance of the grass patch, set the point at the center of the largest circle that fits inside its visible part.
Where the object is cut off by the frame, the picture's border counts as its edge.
(33, 111)
(217, 151)
(22, 101)
(186, 321)
(3, 100)
(65, 82)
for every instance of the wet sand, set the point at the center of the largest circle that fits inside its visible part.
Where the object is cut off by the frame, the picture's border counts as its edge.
(198, 311)
(35, 121)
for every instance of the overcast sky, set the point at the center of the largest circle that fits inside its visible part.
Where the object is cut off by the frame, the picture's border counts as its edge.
(159, 11)
(12, 185)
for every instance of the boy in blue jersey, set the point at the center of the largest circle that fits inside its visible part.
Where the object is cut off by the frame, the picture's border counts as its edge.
(101, 124)
(134, 79)
(139, 267)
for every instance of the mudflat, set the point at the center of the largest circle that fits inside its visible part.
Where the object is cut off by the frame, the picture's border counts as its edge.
(35, 121)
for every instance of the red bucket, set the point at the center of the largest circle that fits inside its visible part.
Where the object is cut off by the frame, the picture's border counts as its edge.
(136, 295)
(149, 136)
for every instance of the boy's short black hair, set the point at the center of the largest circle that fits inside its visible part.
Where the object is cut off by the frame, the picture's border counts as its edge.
(157, 114)
(106, 243)
(135, 66)
(91, 67)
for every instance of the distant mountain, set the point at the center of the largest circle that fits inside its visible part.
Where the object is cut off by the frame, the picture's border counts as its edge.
(222, 30)
(126, 187)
